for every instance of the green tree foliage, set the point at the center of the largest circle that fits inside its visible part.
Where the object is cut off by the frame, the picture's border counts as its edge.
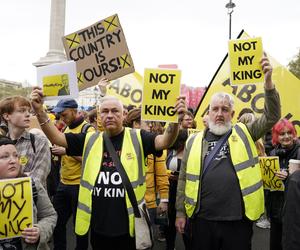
(294, 65)
(10, 91)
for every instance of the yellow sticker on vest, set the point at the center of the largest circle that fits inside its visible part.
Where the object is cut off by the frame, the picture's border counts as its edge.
(129, 156)
(234, 138)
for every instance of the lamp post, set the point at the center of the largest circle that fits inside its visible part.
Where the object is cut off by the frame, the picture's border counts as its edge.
(230, 7)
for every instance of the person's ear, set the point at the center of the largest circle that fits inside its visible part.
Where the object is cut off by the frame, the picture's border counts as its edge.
(136, 124)
(232, 113)
(5, 116)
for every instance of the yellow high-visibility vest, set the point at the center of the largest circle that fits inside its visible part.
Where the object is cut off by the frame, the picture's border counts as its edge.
(132, 158)
(245, 161)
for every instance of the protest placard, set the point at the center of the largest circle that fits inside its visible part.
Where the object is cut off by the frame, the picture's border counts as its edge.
(269, 166)
(58, 80)
(252, 96)
(244, 59)
(16, 207)
(160, 91)
(99, 50)
(128, 89)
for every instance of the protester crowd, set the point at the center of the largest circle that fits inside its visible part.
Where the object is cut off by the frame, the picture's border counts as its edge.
(206, 185)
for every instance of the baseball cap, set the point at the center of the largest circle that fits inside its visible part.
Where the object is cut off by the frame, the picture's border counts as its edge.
(64, 104)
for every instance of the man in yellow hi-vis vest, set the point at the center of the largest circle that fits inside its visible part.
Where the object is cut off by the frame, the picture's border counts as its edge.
(103, 206)
(221, 198)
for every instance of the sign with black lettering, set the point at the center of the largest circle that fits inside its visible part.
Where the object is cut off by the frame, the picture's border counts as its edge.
(99, 50)
(16, 206)
(58, 80)
(244, 58)
(252, 95)
(160, 91)
(269, 166)
(128, 89)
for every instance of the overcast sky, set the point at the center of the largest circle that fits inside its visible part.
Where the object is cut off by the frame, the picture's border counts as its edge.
(191, 33)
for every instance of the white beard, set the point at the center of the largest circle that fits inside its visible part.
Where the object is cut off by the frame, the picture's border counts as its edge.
(219, 129)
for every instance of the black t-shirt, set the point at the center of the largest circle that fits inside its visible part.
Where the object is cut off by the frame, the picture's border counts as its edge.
(220, 192)
(109, 212)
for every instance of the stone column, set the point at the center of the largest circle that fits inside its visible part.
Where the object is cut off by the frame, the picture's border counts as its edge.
(57, 30)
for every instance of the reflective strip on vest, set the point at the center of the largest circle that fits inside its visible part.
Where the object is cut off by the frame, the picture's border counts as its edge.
(252, 161)
(88, 147)
(138, 153)
(86, 185)
(241, 133)
(252, 189)
(190, 201)
(192, 175)
(248, 173)
(84, 207)
(246, 164)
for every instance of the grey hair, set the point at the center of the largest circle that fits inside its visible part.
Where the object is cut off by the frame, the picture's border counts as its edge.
(222, 95)
(111, 98)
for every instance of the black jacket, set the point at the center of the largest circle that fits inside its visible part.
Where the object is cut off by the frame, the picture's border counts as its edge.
(276, 198)
(291, 214)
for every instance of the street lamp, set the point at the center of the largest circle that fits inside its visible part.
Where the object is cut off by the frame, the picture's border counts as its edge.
(230, 7)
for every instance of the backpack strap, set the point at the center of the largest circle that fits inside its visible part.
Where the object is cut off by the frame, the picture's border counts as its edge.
(32, 139)
(34, 192)
(85, 128)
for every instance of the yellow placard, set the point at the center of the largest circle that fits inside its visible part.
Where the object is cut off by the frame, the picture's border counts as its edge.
(16, 206)
(269, 166)
(128, 89)
(252, 96)
(244, 59)
(56, 85)
(160, 91)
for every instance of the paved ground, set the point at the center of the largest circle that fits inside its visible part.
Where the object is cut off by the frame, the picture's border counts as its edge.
(260, 240)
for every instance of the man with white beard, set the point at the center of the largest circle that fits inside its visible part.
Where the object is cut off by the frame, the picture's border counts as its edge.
(220, 188)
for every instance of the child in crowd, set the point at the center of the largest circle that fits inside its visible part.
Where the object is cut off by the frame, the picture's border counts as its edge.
(34, 150)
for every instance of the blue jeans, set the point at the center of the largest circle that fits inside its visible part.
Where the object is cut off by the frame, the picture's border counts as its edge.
(65, 203)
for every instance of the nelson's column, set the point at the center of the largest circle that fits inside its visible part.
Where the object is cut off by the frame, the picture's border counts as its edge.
(57, 30)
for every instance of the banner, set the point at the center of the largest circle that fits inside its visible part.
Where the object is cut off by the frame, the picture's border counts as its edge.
(244, 59)
(58, 81)
(99, 50)
(269, 166)
(16, 206)
(252, 95)
(160, 91)
(192, 95)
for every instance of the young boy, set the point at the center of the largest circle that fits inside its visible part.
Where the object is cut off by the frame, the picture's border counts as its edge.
(34, 151)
